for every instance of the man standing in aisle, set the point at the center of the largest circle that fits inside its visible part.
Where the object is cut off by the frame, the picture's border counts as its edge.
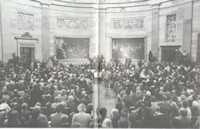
(107, 78)
(82, 118)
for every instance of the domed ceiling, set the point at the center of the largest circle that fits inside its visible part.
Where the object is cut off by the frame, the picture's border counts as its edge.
(101, 1)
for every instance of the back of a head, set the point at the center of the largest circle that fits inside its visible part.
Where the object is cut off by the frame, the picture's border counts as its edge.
(114, 113)
(128, 91)
(56, 99)
(36, 109)
(183, 112)
(119, 106)
(90, 107)
(81, 107)
(13, 115)
(103, 112)
(24, 106)
(59, 108)
(124, 115)
(48, 105)
(185, 104)
(65, 119)
(107, 123)
(35, 114)
(175, 123)
(123, 123)
(164, 97)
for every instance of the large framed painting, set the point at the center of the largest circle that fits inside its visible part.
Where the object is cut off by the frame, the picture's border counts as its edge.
(128, 48)
(72, 48)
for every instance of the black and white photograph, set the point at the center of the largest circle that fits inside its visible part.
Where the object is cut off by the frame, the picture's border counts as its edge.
(100, 64)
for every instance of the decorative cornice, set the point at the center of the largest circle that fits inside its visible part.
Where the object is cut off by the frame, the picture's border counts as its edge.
(117, 5)
(26, 36)
(44, 2)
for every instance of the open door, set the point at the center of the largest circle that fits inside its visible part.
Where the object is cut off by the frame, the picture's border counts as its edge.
(168, 53)
(27, 55)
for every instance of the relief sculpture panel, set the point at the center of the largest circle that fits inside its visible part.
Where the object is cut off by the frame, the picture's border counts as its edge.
(25, 21)
(129, 23)
(70, 23)
(171, 28)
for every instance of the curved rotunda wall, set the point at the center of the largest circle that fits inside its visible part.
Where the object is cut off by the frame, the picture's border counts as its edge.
(48, 20)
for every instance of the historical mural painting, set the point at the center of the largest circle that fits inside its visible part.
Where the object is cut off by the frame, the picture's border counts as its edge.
(130, 48)
(25, 21)
(171, 28)
(72, 48)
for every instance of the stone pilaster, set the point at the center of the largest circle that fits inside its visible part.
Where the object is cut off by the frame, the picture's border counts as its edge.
(155, 31)
(1, 42)
(102, 31)
(45, 31)
(187, 26)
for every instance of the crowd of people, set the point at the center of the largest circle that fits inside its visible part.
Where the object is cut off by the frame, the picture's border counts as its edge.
(44, 96)
(149, 95)
(155, 95)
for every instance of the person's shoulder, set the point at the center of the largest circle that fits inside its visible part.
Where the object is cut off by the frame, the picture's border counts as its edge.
(87, 115)
(76, 115)
(52, 115)
(65, 115)
(42, 116)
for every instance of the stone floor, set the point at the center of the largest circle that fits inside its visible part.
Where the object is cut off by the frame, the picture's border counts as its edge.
(106, 98)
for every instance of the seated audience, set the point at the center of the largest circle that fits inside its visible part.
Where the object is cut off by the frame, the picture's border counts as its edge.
(151, 95)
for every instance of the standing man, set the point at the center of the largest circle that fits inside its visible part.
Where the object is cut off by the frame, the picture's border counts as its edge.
(150, 57)
(107, 77)
(82, 118)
